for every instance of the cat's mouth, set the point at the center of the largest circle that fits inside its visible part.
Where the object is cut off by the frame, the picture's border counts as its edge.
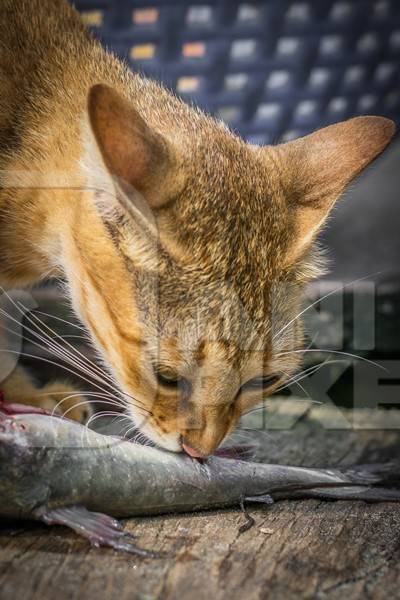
(148, 436)
(192, 452)
(139, 437)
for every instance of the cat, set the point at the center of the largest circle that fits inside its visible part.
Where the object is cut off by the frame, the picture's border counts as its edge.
(184, 250)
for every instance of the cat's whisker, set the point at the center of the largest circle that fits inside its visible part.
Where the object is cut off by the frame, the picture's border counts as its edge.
(238, 435)
(121, 417)
(99, 397)
(341, 287)
(265, 406)
(315, 368)
(70, 336)
(311, 342)
(54, 363)
(74, 274)
(88, 363)
(60, 351)
(77, 354)
(143, 441)
(132, 423)
(251, 429)
(103, 414)
(24, 311)
(291, 380)
(131, 398)
(69, 396)
(32, 341)
(295, 381)
(77, 405)
(60, 354)
(77, 392)
(306, 373)
(83, 403)
(65, 321)
(341, 353)
(140, 437)
(137, 437)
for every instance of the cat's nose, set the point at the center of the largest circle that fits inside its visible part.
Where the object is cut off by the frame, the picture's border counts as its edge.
(192, 452)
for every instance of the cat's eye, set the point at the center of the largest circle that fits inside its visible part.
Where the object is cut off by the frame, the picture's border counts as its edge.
(260, 383)
(168, 377)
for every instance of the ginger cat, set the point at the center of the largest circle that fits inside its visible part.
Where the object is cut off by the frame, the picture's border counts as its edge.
(184, 250)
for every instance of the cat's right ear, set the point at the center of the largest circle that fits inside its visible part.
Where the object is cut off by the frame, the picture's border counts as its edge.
(133, 153)
(317, 168)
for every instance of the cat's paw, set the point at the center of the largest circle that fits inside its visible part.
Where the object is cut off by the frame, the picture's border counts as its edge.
(62, 398)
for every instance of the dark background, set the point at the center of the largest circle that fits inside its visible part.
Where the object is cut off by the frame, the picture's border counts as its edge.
(275, 70)
(363, 234)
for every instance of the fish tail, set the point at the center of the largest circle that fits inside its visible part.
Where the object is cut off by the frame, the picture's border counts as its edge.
(373, 482)
(381, 474)
(354, 492)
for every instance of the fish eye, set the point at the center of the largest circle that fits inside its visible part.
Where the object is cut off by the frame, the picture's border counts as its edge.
(260, 383)
(167, 377)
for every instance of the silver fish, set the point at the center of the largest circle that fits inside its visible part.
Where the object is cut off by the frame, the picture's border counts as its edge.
(58, 471)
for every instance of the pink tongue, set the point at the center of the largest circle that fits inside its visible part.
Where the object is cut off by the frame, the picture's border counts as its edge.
(192, 452)
(21, 409)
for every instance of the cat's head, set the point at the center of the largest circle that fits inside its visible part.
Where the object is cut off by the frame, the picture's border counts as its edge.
(192, 254)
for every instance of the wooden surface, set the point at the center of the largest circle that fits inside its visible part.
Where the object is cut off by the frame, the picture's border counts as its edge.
(297, 549)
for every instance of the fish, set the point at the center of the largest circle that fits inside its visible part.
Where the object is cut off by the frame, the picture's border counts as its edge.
(58, 471)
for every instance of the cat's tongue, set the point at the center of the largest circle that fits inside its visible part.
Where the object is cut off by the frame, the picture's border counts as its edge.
(20, 409)
(192, 452)
(243, 452)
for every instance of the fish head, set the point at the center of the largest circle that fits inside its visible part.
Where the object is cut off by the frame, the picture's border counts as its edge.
(20, 489)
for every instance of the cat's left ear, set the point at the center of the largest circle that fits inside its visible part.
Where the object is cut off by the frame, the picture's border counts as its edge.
(318, 167)
(133, 152)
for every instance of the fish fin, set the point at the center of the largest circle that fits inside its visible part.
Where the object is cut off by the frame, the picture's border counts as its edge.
(242, 452)
(249, 522)
(262, 499)
(98, 528)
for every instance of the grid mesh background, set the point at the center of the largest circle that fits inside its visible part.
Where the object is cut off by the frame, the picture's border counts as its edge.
(273, 69)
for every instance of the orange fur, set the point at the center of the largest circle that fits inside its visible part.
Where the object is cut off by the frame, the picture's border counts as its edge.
(181, 246)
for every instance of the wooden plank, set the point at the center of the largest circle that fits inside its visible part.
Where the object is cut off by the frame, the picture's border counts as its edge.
(297, 549)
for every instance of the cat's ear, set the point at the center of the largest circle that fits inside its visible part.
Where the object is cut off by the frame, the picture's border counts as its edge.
(319, 166)
(132, 152)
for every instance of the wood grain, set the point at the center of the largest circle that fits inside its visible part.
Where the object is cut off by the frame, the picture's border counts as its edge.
(297, 549)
